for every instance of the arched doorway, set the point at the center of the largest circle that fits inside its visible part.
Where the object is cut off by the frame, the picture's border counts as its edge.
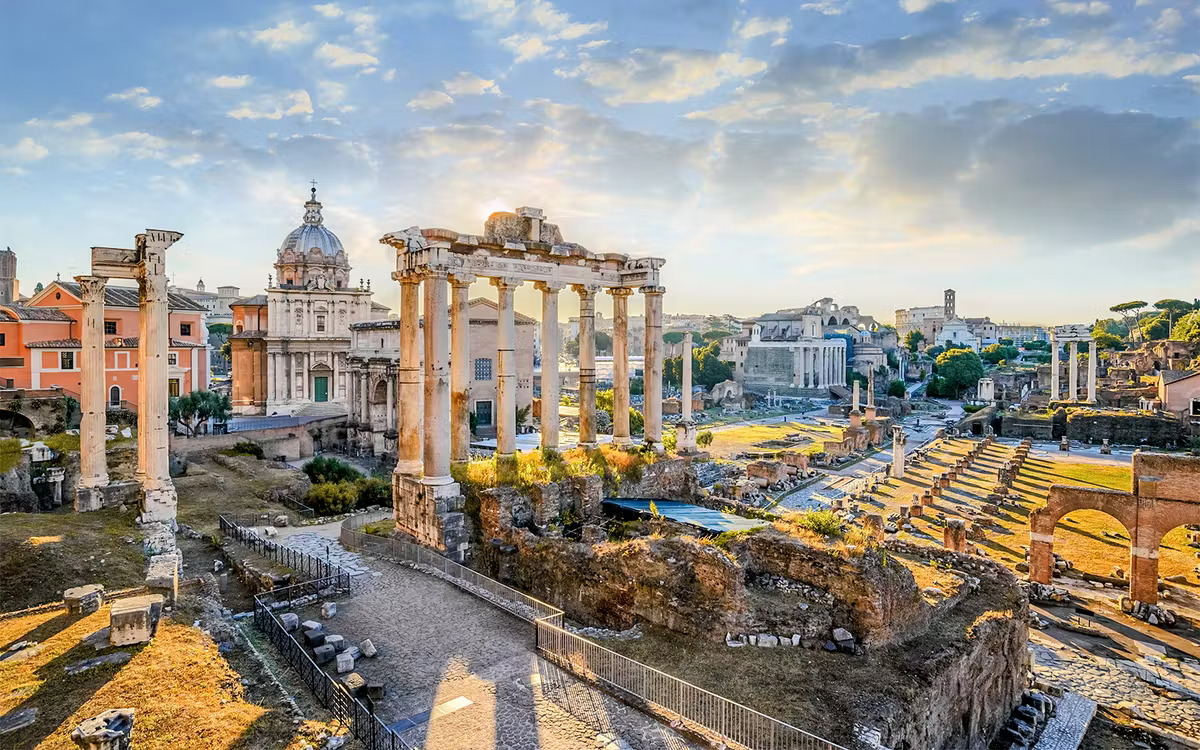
(15, 424)
(114, 396)
(1093, 541)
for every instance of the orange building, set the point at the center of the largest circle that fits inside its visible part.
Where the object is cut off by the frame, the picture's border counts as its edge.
(40, 348)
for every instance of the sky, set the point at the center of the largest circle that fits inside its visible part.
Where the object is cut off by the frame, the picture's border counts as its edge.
(1041, 158)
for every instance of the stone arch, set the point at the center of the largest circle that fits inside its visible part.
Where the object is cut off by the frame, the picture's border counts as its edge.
(1064, 499)
(379, 391)
(15, 423)
(832, 320)
(845, 321)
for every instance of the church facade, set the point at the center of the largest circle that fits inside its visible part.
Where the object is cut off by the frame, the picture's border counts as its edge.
(289, 345)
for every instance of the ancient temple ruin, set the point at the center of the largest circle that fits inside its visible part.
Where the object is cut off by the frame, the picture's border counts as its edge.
(432, 419)
(1072, 334)
(152, 485)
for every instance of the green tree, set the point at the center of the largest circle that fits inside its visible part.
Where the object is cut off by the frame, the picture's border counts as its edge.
(603, 343)
(227, 350)
(1006, 342)
(704, 439)
(1129, 312)
(673, 337)
(708, 368)
(1105, 340)
(912, 339)
(997, 353)
(194, 409)
(329, 470)
(959, 369)
(896, 388)
(715, 335)
(1036, 346)
(1111, 325)
(1187, 328)
(1173, 308)
(1155, 328)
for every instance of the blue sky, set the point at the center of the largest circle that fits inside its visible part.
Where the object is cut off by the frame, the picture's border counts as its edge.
(1041, 158)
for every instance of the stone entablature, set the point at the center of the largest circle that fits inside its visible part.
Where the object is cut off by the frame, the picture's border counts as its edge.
(1072, 334)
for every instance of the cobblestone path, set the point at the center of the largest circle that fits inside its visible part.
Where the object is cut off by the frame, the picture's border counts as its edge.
(326, 548)
(463, 675)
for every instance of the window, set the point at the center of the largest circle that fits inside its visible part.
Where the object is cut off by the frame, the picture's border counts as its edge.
(483, 412)
(173, 387)
(114, 396)
(483, 370)
(1196, 407)
(320, 324)
(110, 328)
(1, 339)
(172, 358)
(185, 329)
(66, 361)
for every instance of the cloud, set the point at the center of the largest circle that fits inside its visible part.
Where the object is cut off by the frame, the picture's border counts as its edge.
(469, 84)
(274, 106)
(1168, 22)
(665, 75)
(134, 144)
(1084, 8)
(755, 27)
(230, 82)
(286, 34)
(430, 99)
(920, 6)
(25, 150)
(535, 23)
(826, 7)
(1194, 80)
(187, 160)
(526, 47)
(139, 97)
(77, 120)
(339, 57)
(329, 10)
(332, 94)
(389, 75)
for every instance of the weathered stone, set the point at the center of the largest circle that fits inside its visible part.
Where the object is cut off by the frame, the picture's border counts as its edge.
(84, 600)
(328, 610)
(17, 719)
(354, 684)
(134, 620)
(767, 640)
(841, 634)
(311, 625)
(338, 642)
(313, 638)
(345, 662)
(117, 657)
(111, 730)
(368, 648)
(290, 621)
(323, 654)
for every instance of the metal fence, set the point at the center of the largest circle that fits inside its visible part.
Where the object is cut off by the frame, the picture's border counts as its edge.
(651, 690)
(236, 528)
(361, 721)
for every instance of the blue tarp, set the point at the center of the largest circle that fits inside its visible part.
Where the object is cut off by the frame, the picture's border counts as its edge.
(704, 518)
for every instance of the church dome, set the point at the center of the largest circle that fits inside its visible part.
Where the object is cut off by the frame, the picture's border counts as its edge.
(311, 236)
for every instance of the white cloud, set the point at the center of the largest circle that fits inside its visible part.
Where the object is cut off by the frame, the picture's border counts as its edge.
(26, 150)
(329, 10)
(665, 75)
(430, 99)
(284, 35)
(826, 7)
(332, 94)
(595, 43)
(535, 23)
(365, 29)
(136, 145)
(1084, 8)
(340, 57)
(230, 82)
(77, 120)
(916, 6)
(526, 47)
(752, 28)
(469, 84)
(274, 106)
(140, 97)
(1194, 80)
(1168, 22)
(186, 160)
(389, 75)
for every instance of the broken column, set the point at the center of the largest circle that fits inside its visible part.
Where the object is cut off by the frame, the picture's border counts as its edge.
(93, 466)
(954, 535)
(653, 367)
(111, 730)
(685, 429)
(897, 452)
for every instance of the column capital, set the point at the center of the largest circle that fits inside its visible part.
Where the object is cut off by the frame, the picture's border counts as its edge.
(586, 290)
(506, 282)
(550, 287)
(653, 290)
(619, 291)
(92, 287)
(406, 277)
(460, 279)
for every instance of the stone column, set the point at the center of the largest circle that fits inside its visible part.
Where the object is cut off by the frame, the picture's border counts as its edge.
(364, 398)
(1145, 541)
(153, 472)
(587, 364)
(1055, 386)
(687, 377)
(620, 339)
(823, 376)
(391, 401)
(550, 344)
(1073, 372)
(460, 368)
(270, 381)
(856, 401)
(506, 368)
(408, 405)
(654, 367)
(1093, 356)
(335, 388)
(437, 381)
(897, 451)
(93, 465)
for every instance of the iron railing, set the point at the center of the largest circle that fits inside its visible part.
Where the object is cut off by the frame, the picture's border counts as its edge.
(644, 687)
(358, 718)
(303, 563)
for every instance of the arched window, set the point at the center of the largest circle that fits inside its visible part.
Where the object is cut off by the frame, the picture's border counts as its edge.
(832, 321)
(114, 396)
(240, 327)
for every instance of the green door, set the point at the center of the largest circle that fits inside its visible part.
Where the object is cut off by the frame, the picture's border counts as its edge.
(320, 389)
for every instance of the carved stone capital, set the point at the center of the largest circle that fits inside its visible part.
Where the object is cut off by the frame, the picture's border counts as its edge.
(653, 290)
(586, 290)
(92, 288)
(506, 282)
(460, 279)
(550, 287)
(620, 291)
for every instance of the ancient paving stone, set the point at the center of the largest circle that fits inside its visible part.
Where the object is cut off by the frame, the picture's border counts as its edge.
(1070, 722)
(117, 657)
(14, 720)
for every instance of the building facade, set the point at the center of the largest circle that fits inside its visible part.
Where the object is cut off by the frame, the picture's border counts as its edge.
(290, 344)
(794, 350)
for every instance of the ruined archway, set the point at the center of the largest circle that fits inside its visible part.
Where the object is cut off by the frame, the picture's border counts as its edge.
(15, 424)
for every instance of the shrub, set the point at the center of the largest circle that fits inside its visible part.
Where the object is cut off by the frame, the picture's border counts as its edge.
(669, 440)
(896, 388)
(704, 439)
(972, 408)
(10, 454)
(62, 443)
(374, 491)
(246, 448)
(823, 522)
(323, 469)
(331, 498)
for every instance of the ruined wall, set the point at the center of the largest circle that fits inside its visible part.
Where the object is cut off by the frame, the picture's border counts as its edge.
(1016, 427)
(668, 479)
(1126, 429)
(16, 492)
(879, 604)
(1180, 474)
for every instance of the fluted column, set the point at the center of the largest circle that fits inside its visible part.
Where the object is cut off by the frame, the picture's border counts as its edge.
(550, 383)
(460, 368)
(364, 398)
(1055, 386)
(270, 379)
(587, 364)
(506, 366)
(93, 465)
(391, 401)
(1073, 372)
(437, 380)
(620, 339)
(1093, 356)
(409, 405)
(687, 377)
(153, 472)
(654, 367)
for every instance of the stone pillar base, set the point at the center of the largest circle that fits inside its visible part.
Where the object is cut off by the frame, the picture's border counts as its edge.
(685, 437)
(159, 504)
(431, 514)
(111, 495)
(158, 537)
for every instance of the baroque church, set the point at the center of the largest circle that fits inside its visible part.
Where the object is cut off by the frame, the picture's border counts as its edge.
(289, 344)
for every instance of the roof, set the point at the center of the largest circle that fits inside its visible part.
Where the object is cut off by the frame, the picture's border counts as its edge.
(314, 235)
(127, 342)
(379, 306)
(258, 299)
(125, 296)
(693, 515)
(21, 312)
(1170, 377)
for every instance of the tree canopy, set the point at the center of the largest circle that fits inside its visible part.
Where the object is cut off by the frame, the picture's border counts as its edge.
(896, 388)
(673, 337)
(1105, 340)
(1187, 328)
(959, 369)
(193, 409)
(1111, 325)
(1158, 327)
(995, 353)
(912, 339)
(707, 367)
(715, 335)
